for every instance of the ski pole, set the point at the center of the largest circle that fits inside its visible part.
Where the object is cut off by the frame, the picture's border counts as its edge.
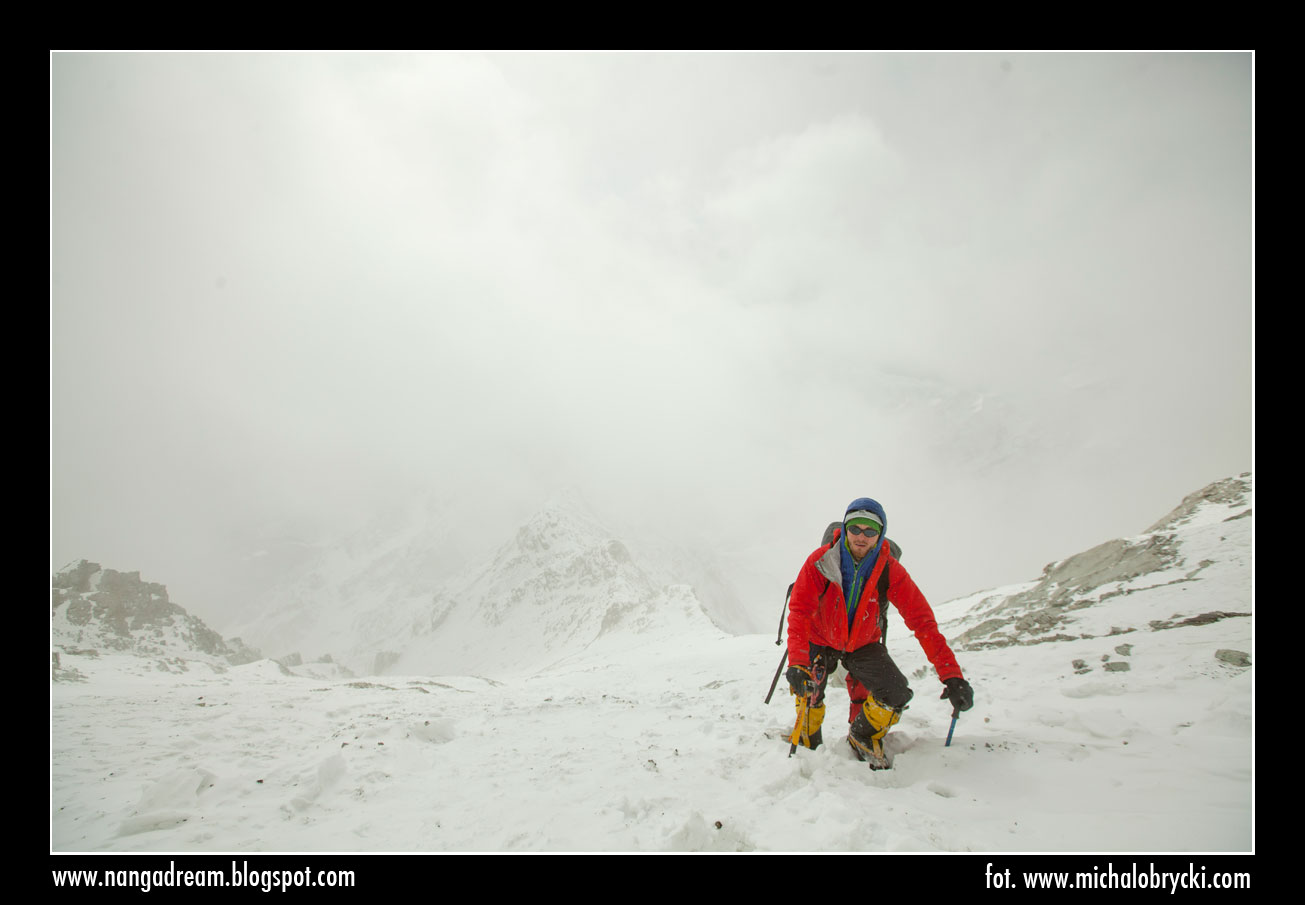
(779, 640)
(955, 714)
(775, 681)
(782, 613)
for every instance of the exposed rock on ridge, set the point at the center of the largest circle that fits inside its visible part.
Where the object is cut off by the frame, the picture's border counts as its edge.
(1208, 531)
(1233, 493)
(92, 608)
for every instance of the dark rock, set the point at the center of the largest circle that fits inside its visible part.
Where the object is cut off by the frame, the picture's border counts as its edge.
(120, 611)
(1234, 657)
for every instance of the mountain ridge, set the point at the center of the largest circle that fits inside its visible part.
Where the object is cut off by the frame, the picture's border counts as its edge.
(1203, 537)
(563, 584)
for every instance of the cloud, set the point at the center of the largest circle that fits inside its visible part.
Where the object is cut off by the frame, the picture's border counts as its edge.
(703, 287)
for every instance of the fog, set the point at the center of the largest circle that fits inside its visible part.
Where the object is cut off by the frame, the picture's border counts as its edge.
(720, 294)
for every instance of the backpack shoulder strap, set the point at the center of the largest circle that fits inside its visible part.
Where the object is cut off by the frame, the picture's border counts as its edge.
(883, 603)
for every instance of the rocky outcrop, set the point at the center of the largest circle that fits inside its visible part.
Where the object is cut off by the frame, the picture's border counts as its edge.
(1232, 493)
(1207, 533)
(1069, 585)
(96, 608)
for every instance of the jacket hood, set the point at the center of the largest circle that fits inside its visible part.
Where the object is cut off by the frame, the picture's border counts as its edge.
(865, 504)
(868, 505)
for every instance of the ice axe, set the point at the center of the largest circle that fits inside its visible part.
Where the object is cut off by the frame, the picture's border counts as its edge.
(956, 713)
(798, 730)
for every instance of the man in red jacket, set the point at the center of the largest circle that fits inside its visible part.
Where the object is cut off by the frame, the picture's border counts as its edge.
(838, 613)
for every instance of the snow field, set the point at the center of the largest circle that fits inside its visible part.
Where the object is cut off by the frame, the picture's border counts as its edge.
(618, 753)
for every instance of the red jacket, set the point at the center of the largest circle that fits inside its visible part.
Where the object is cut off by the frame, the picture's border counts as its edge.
(817, 613)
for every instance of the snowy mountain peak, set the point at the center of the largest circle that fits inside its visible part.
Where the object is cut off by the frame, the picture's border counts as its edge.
(545, 588)
(561, 525)
(1229, 498)
(555, 588)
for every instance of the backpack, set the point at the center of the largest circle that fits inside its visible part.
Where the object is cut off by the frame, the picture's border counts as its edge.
(826, 540)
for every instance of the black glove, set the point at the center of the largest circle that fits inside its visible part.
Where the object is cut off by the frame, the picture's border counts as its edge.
(959, 692)
(800, 680)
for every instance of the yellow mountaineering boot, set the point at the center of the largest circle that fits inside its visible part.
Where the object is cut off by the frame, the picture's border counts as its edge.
(806, 732)
(806, 684)
(867, 732)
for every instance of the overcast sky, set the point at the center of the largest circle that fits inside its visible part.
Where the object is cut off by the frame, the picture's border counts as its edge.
(1007, 295)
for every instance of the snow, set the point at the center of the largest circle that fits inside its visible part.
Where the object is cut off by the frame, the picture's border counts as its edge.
(647, 752)
(1130, 737)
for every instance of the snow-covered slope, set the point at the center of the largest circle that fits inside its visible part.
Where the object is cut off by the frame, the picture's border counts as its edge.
(1113, 712)
(1192, 566)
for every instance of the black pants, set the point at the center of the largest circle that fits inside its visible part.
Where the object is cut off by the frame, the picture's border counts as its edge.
(869, 669)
